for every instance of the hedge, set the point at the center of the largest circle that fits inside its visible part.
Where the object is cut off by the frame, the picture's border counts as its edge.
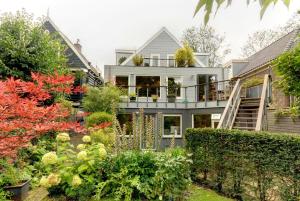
(97, 118)
(246, 165)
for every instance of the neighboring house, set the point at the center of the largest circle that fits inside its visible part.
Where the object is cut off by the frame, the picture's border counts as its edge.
(259, 64)
(185, 96)
(255, 94)
(76, 60)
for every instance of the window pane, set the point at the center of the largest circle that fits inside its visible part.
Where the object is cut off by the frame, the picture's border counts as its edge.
(150, 82)
(176, 82)
(125, 120)
(171, 61)
(122, 82)
(202, 121)
(172, 125)
(155, 60)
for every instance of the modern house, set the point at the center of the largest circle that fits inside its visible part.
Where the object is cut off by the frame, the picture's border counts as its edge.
(249, 108)
(193, 96)
(77, 62)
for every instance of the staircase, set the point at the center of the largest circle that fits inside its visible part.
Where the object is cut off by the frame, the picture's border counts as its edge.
(246, 113)
(246, 117)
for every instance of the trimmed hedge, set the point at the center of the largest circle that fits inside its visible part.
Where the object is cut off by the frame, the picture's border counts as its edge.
(246, 165)
(97, 118)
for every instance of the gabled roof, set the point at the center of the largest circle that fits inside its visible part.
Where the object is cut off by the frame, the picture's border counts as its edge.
(75, 58)
(271, 52)
(163, 29)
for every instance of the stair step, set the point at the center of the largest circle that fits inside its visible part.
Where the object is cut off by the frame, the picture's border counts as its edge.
(247, 118)
(250, 98)
(238, 123)
(248, 109)
(249, 105)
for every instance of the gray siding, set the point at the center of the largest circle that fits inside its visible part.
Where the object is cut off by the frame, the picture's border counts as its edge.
(282, 124)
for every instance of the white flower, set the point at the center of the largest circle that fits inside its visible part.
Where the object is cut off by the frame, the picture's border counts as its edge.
(82, 155)
(44, 182)
(102, 153)
(53, 179)
(63, 137)
(86, 139)
(81, 147)
(49, 158)
(76, 181)
(101, 145)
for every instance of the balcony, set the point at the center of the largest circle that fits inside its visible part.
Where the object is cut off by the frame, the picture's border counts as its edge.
(152, 62)
(214, 94)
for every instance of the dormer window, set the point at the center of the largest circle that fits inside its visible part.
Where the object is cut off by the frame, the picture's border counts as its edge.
(155, 60)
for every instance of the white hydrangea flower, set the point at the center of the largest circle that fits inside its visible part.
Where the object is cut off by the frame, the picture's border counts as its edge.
(44, 182)
(102, 153)
(63, 137)
(49, 158)
(81, 147)
(82, 155)
(76, 181)
(86, 139)
(101, 145)
(53, 179)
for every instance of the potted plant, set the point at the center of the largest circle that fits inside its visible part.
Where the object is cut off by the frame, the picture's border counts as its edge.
(172, 90)
(15, 180)
(132, 97)
(138, 60)
(184, 56)
(154, 98)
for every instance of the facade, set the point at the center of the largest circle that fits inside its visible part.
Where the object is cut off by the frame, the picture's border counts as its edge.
(184, 96)
(77, 62)
(259, 64)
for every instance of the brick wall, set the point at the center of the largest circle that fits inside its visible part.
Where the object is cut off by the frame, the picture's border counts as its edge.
(282, 124)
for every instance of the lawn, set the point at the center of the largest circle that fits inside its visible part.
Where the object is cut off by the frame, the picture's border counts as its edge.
(196, 193)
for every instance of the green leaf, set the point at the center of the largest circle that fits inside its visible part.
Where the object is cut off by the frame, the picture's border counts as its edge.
(200, 4)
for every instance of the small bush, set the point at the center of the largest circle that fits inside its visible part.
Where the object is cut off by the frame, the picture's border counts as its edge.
(138, 60)
(185, 56)
(246, 165)
(105, 136)
(98, 118)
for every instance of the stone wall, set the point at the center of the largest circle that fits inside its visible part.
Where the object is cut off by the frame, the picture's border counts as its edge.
(282, 124)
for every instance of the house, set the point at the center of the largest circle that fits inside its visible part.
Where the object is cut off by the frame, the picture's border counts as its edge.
(77, 62)
(255, 94)
(185, 96)
(259, 64)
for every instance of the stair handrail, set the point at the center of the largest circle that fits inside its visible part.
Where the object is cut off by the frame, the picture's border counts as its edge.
(264, 99)
(231, 107)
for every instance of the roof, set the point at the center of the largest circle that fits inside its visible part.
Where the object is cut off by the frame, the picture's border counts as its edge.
(271, 52)
(163, 29)
(75, 58)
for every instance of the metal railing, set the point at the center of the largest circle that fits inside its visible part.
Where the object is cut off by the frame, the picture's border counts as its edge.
(201, 93)
(264, 100)
(152, 62)
(230, 111)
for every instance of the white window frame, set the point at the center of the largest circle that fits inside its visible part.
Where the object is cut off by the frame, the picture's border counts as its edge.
(151, 59)
(181, 82)
(168, 61)
(163, 124)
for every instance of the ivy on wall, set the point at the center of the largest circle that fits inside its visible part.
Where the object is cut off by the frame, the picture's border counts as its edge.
(246, 165)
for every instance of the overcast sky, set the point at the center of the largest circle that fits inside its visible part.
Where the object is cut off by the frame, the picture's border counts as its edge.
(104, 25)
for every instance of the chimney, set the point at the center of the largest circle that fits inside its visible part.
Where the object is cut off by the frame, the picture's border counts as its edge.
(77, 45)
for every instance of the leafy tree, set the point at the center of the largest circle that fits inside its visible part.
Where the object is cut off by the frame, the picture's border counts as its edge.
(23, 114)
(25, 47)
(104, 99)
(287, 67)
(209, 5)
(205, 39)
(260, 39)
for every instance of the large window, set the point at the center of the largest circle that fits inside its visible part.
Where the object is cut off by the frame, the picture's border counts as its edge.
(172, 125)
(202, 120)
(152, 83)
(207, 87)
(174, 86)
(122, 82)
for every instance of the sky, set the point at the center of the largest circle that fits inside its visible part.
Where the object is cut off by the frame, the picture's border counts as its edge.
(105, 25)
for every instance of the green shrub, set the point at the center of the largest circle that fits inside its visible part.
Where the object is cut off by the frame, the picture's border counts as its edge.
(98, 118)
(103, 99)
(136, 175)
(246, 165)
(138, 60)
(185, 56)
(105, 136)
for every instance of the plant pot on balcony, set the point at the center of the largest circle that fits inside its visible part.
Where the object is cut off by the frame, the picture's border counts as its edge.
(171, 98)
(19, 192)
(132, 99)
(154, 98)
